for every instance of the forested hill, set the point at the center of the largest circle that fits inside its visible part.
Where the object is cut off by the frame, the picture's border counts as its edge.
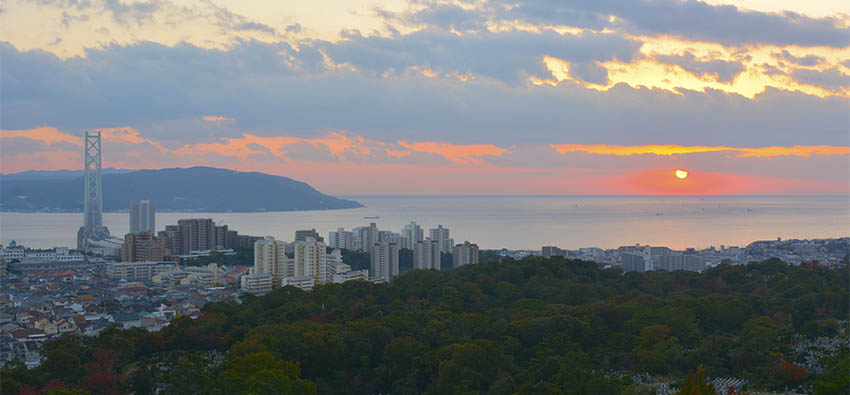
(199, 189)
(536, 326)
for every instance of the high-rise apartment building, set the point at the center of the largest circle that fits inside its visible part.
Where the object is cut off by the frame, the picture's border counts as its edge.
(311, 259)
(341, 239)
(412, 234)
(142, 247)
(224, 237)
(441, 235)
(465, 254)
(197, 234)
(302, 235)
(365, 237)
(426, 255)
(270, 258)
(384, 257)
(142, 217)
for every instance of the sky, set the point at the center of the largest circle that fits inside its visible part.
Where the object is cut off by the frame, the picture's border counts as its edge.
(439, 97)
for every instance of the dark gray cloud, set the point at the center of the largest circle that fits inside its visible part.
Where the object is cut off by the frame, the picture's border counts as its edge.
(590, 72)
(721, 70)
(68, 19)
(506, 56)
(808, 60)
(832, 79)
(689, 19)
(446, 16)
(264, 88)
(141, 12)
(771, 70)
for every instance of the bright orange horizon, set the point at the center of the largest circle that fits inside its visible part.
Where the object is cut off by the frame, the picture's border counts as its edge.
(345, 163)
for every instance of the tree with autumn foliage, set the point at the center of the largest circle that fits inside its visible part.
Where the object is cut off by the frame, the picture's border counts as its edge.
(696, 384)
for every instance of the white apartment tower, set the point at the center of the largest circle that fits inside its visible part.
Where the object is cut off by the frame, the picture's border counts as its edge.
(465, 254)
(341, 239)
(311, 260)
(142, 217)
(365, 237)
(426, 255)
(441, 235)
(412, 234)
(270, 258)
(384, 258)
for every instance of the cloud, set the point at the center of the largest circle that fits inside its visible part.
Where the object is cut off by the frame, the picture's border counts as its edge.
(807, 60)
(217, 118)
(720, 70)
(139, 11)
(689, 19)
(164, 91)
(669, 149)
(832, 78)
(509, 56)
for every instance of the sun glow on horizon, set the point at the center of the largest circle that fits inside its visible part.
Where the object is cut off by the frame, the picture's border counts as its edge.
(681, 174)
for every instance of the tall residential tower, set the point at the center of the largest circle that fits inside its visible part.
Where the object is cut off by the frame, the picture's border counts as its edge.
(142, 217)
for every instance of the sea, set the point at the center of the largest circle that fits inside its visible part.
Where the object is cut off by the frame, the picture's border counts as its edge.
(512, 222)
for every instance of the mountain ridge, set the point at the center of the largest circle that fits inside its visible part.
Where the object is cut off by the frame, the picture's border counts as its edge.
(198, 189)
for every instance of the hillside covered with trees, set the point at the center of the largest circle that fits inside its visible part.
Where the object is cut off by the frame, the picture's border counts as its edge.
(534, 326)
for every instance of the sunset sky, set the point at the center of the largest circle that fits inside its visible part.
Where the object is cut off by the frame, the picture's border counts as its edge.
(439, 97)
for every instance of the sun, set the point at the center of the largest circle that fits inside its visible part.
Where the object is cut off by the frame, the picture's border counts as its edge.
(681, 174)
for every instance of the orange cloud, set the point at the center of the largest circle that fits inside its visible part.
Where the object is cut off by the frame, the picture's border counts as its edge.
(241, 147)
(463, 154)
(339, 144)
(217, 118)
(667, 149)
(45, 134)
(128, 135)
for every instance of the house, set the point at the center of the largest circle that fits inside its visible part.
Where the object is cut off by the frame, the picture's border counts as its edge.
(93, 328)
(67, 326)
(9, 327)
(153, 323)
(126, 320)
(47, 326)
(28, 334)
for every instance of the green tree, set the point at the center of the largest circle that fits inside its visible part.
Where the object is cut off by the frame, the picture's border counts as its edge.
(472, 367)
(262, 373)
(836, 380)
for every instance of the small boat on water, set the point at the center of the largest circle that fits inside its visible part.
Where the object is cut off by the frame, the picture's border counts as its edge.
(372, 217)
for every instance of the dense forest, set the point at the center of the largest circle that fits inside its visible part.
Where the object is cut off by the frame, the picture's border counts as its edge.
(533, 326)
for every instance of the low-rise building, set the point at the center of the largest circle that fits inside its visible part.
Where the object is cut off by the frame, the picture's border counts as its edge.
(138, 271)
(256, 283)
(303, 282)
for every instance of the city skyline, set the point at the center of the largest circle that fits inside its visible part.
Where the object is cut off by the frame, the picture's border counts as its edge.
(748, 97)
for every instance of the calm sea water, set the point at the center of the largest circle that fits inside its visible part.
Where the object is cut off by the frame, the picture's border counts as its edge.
(514, 222)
